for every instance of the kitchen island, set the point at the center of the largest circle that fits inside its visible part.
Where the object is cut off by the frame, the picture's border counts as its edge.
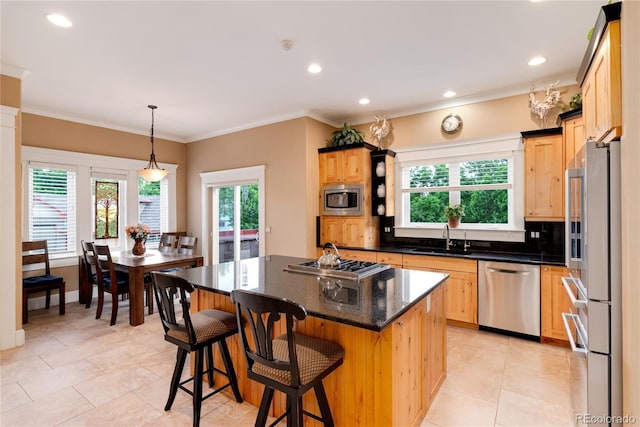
(391, 325)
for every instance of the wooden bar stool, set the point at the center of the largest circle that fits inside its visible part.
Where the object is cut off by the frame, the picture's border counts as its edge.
(291, 363)
(196, 333)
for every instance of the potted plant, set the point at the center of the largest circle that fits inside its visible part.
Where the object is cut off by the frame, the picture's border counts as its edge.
(345, 136)
(453, 214)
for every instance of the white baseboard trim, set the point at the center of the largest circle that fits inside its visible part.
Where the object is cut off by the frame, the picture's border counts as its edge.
(20, 337)
(41, 302)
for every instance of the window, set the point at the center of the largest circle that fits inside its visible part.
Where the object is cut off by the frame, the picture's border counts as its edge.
(153, 209)
(482, 186)
(484, 176)
(61, 205)
(52, 207)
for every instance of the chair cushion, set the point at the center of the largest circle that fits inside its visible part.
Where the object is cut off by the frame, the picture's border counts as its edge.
(121, 282)
(45, 279)
(207, 324)
(314, 356)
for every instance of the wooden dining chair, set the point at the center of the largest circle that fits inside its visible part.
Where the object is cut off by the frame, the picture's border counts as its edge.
(168, 243)
(187, 245)
(35, 256)
(89, 259)
(194, 333)
(108, 281)
(291, 363)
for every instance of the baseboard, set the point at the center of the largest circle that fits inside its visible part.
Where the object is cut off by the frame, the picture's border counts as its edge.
(41, 302)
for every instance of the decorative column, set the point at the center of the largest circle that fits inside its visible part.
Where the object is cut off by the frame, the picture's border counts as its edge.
(10, 334)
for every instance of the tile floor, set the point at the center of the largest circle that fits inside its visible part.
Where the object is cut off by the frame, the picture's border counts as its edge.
(75, 370)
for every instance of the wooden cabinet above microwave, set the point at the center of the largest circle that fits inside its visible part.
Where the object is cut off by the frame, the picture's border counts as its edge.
(338, 165)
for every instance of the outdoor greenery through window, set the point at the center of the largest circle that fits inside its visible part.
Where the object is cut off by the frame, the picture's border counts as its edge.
(247, 196)
(482, 186)
(150, 209)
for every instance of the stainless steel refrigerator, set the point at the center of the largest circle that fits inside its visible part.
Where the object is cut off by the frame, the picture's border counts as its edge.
(594, 325)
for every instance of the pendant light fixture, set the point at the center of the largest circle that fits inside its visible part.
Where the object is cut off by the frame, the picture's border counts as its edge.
(152, 171)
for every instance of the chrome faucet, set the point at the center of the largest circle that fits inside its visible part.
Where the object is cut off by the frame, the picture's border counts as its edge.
(467, 245)
(445, 234)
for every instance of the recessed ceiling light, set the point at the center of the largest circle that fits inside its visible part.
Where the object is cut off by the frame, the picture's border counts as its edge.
(537, 60)
(314, 68)
(363, 101)
(449, 94)
(59, 20)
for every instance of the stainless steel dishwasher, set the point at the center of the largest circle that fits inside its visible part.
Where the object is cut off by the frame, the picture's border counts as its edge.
(509, 297)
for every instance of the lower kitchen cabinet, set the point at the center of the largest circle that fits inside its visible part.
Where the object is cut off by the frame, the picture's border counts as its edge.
(436, 330)
(393, 259)
(462, 285)
(348, 231)
(369, 256)
(553, 302)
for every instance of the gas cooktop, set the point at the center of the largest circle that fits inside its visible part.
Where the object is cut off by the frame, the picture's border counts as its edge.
(347, 269)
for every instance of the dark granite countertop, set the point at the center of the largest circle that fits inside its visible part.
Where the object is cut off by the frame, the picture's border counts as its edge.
(371, 303)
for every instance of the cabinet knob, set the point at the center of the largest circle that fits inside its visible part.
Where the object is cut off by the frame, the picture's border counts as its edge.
(591, 139)
(400, 323)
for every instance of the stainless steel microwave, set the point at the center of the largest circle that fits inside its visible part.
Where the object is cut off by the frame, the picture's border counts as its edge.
(343, 199)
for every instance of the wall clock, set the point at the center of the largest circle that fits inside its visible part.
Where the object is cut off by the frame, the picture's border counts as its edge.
(451, 124)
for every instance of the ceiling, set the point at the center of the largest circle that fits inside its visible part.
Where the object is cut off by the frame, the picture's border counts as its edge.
(214, 67)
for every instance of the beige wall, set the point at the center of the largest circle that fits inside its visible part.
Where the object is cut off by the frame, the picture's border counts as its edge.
(285, 149)
(480, 120)
(46, 132)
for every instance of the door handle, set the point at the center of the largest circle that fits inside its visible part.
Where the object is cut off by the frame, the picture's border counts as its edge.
(506, 271)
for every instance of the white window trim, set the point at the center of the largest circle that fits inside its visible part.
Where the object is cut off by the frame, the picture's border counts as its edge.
(209, 180)
(443, 152)
(85, 164)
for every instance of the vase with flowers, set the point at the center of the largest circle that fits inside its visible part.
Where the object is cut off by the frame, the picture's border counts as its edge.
(139, 234)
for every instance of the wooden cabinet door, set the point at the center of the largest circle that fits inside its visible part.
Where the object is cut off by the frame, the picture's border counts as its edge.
(358, 255)
(354, 162)
(408, 336)
(353, 232)
(345, 166)
(553, 302)
(393, 259)
(331, 230)
(462, 297)
(544, 178)
(330, 167)
(462, 284)
(437, 341)
(573, 137)
(342, 231)
(602, 89)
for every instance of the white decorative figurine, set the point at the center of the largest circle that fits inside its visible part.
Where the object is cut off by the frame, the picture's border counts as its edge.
(380, 129)
(542, 108)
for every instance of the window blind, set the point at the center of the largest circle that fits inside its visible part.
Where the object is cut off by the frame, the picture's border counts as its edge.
(52, 207)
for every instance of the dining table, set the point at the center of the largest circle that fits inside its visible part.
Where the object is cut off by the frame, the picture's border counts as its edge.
(137, 266)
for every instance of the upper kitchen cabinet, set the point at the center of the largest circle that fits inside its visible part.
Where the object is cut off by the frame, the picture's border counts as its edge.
(544, 175)
(600, 77)
(572, 136)
(339, 165)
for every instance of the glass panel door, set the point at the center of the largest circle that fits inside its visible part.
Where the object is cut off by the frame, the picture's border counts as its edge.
(238, 222)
